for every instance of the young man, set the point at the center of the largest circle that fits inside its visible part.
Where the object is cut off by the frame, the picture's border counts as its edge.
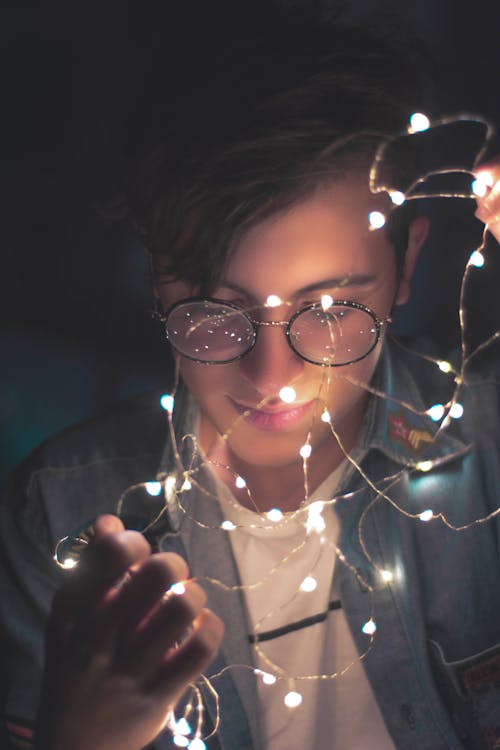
(296, 501)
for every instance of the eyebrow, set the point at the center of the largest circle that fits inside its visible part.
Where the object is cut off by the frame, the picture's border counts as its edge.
(352, 280)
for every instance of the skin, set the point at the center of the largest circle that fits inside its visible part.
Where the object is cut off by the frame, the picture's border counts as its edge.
(112, 670)
(321, 246)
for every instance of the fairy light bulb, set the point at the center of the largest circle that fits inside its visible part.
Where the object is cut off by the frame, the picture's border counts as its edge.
(476, 259)
(376, 219)
(456, 410)
(180, 740)
(369, 627)
(326, 301)
(444, 366)
(186, 485)
(479, 188)
(483, 182)
(240, 482)
(436, 412)
(288, 394)
(182, 726)
(153, 488)
(418, 123)
(274, 515)
(177, 588)
(308, 584)
(267, 677)
(68, 563)
(315, 520)
(228, 526)
(397, 197)
(424, 466)
(273, 301)
(386, 575)
(167, 402)
(292, 699)
(325, 417)
(197, 744)
(305, 451)
(426, 515)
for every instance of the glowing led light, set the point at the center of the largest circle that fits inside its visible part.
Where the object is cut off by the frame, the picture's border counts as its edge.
(369, 627)
(267, 678)
(186, 485)
(153, 488)
(326, 301)
(275, 515)
(325, 417)
(376, 219)
(68, 563)
(386, 575)
(315, 521)
(456, 410)
(178, 588)
(444, 366)
(397, 197)
(240, 483)
(197, 744)
(288, 394)
(228, 526)
(436, 412)
(426, 515)
(180, 741)
(418, 122)
(292, 699)
(305, 451)
(479, 188)
(486, 178)
(167, 402)
(476, 259)
(424, 466)
(273, 301)
(308, 584)
(182, 727)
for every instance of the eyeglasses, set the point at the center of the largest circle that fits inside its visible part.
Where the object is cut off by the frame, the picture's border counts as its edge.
(216, 332)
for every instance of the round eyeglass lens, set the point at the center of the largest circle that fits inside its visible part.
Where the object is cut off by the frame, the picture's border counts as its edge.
(209, 331)
(337, 336)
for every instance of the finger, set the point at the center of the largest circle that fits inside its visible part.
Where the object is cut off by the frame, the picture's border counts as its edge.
(101, 566)
(145, 590)
(107, 524)
(167, 625)
(182, 666)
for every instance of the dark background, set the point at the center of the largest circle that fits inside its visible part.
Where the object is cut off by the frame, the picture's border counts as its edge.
(75, 330)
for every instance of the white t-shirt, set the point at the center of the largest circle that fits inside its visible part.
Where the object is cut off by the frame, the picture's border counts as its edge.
(335, 714)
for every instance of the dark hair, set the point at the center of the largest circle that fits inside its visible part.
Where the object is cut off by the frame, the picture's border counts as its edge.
(269, 121)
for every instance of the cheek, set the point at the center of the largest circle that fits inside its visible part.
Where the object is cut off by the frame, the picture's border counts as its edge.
(205, 382)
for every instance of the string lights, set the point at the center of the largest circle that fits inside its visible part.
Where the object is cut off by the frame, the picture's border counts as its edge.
(187, 730)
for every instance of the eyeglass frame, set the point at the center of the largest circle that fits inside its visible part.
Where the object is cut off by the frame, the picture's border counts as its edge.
(379, 323)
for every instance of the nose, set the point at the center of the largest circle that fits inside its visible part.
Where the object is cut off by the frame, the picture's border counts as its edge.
(272, 363)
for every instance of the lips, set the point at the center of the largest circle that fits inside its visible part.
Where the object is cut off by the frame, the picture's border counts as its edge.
(273, 419)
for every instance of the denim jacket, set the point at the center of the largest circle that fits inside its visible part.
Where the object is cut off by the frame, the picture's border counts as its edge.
(435, 662)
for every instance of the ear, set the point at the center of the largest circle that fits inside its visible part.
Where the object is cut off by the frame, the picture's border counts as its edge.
(417, 233)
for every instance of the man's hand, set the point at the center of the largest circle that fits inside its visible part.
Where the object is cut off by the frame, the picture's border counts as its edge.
(488, 206)
(113, 667)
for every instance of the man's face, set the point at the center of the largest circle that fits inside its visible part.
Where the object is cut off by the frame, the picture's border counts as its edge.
(322, 246)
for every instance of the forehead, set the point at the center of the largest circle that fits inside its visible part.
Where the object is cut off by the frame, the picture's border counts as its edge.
(325, 236)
